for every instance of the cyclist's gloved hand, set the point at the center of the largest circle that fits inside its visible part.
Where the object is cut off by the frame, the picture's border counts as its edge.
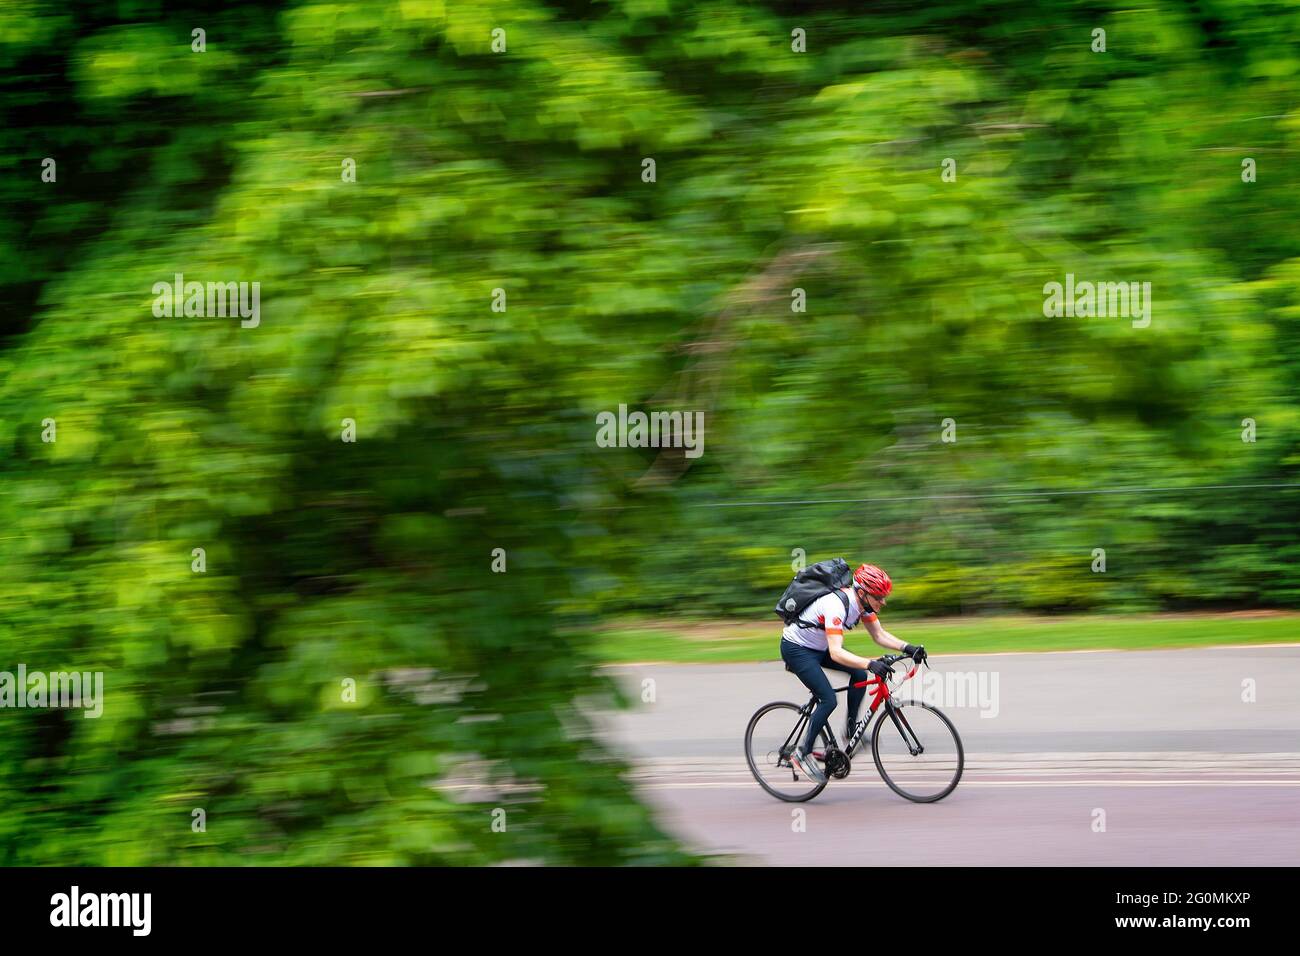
(916, 652)
(882, 671)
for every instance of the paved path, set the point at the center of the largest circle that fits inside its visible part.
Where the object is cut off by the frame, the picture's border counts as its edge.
(1185, 771)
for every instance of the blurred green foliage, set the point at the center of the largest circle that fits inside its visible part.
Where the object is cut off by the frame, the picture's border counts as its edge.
(521, 170)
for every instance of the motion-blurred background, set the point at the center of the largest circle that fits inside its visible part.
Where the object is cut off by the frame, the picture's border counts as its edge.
(838, 255)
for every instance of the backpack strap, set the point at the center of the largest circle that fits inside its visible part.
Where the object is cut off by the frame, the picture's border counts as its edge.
(839, 593)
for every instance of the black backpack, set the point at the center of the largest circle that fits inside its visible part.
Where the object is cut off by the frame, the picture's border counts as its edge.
(815, 581)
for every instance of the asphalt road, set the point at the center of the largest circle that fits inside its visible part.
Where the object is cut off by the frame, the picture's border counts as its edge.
(1181, 757)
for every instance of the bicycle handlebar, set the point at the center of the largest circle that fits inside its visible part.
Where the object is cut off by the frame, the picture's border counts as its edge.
(889, 660)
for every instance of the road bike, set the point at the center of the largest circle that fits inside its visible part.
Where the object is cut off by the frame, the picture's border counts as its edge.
(915, 747)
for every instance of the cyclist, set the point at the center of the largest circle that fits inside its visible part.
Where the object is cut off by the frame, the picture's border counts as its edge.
(806, 650)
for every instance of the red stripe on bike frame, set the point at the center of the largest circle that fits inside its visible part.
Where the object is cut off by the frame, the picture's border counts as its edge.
(881, 695)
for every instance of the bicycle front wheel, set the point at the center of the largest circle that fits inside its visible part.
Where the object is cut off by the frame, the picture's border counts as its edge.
(917, 751)
(769, 739)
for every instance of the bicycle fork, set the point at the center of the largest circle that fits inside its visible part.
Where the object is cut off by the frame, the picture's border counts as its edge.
(910, 740)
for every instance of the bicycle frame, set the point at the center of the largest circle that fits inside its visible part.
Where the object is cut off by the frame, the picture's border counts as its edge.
(880, 697)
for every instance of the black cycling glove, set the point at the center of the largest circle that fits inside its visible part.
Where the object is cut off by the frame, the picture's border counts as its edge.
(916, 652)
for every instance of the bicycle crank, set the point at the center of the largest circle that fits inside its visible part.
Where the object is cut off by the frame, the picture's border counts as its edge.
(837, 763)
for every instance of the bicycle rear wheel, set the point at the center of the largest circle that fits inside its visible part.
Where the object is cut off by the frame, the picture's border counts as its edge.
(917, 751)
(769, 740)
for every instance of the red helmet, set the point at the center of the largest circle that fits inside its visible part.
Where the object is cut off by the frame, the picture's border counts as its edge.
(873, 580)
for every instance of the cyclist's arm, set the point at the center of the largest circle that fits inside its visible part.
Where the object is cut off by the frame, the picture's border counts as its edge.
(880, 635)
(835, 644)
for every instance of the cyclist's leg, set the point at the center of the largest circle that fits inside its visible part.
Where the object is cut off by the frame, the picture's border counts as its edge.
(856, 694)
(806, 664)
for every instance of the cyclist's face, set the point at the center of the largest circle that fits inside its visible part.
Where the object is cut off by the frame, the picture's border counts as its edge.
(876, 602)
